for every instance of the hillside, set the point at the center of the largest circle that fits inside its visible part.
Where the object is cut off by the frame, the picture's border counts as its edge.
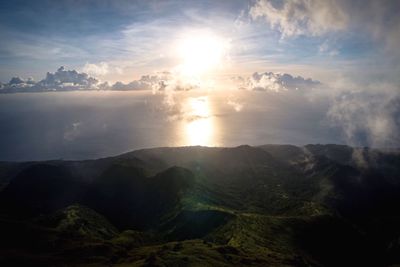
(271, 205)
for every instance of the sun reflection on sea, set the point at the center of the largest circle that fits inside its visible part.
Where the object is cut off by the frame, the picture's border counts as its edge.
(199, 125)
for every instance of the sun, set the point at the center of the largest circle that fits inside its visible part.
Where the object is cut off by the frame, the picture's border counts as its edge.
(201, 52)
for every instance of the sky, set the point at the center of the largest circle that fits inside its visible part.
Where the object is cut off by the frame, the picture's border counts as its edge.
(126, 39)
(216, 73)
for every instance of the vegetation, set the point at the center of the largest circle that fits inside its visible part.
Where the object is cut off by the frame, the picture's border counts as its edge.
(195, 206)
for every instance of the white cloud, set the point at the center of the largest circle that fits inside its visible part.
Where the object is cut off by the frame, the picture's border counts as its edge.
(377, 19)
(366, 115)
(276, 82)
(159, 82)
(96, 69)
(100, 69)
(301, 17)
(69, 79)
(61, 80)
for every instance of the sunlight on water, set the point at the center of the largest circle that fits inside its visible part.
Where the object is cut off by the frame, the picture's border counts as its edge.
(199, 127)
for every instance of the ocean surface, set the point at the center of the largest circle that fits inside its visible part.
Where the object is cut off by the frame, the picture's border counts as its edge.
(93, 124)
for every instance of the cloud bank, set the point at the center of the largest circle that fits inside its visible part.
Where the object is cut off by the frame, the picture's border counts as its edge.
(72, 80)
(61, 80)
(275, 82)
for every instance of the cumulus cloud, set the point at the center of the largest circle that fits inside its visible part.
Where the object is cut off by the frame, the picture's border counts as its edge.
(71, 80)
(147, 82)
(160, 81)
(17, 84)
(16, 80)
(100, 69)
(301, 17)
(63, 78)
(96, 69)
(276, 82)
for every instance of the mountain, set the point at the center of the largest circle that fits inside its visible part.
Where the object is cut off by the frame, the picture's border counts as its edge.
(41, 188)
(270, 205)
(131, 200)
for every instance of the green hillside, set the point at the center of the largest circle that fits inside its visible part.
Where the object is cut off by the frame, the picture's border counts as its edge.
(273, 205)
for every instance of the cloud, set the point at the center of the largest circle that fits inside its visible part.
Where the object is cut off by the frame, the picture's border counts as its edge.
(17, 84)
(16, 80)
(364, 114)
(301, 17)
(134, 85)
(369, 116)
(96, 69)
(71, 80)
(68, 78)
(160, 81)
(301, 108)
(237, 106)
(378, 20)
(73, 131)
(276, 82)
(61, 80)
(100, 69)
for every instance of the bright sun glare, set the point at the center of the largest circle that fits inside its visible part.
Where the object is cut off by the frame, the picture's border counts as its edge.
(201, 52)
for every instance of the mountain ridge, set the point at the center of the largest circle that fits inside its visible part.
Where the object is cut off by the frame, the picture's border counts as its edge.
(277, 205)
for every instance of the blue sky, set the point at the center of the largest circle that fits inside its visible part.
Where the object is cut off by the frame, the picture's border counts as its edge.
(310, 38)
